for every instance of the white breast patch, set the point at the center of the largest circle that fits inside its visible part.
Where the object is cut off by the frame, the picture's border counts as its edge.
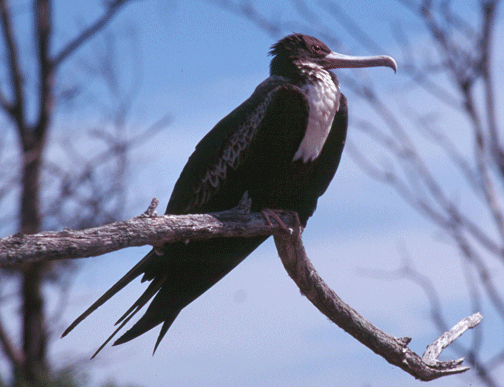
(323, 97)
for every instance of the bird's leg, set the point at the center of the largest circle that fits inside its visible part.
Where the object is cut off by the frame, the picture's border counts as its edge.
(297, 222)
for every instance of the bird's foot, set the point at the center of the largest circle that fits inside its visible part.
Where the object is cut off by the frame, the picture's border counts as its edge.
(270, 213)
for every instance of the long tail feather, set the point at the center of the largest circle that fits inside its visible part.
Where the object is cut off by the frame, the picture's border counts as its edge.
(163, 331)
(151, 290)
(177, 278)
(130, 276)
(139, 304)
(113, 334)
(157, 312)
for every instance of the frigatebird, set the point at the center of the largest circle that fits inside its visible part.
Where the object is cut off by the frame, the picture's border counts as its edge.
(282, 147)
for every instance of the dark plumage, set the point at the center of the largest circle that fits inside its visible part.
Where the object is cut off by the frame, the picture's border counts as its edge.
(282, 146)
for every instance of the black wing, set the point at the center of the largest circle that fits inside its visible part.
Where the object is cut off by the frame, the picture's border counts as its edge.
(216, 175)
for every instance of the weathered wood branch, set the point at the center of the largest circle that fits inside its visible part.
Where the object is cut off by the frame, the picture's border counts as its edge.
(394, 350)
(146, 229)
(153, 229)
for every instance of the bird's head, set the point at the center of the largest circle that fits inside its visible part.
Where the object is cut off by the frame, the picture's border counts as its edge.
(296, 52)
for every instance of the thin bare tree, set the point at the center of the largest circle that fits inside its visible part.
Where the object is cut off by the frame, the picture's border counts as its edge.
(73, 189)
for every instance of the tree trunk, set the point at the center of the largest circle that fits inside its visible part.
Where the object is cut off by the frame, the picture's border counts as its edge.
(30, 195)
(35, 365)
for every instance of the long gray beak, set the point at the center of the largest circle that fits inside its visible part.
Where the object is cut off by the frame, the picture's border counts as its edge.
(337, 61)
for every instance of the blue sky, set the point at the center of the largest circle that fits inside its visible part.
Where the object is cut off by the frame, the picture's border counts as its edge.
(254, 328)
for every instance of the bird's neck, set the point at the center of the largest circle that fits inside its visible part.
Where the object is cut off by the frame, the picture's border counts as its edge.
(323, 94)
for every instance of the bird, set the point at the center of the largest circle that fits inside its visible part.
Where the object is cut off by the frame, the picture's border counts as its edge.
(281, 148)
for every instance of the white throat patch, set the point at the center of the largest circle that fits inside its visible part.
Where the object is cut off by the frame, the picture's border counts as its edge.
(324, 98)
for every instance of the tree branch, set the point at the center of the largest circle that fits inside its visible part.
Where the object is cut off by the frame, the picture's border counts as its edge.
(15, 108)
(146, 229)
(112, 8)
(150, 228)
(394, 350)
(43, 25)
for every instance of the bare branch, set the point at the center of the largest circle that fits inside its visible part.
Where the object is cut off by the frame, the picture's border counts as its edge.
(407, 271)
(409, 156)
(446, 143)
(488, 186)
(146, 229)
(43, 38)
(394, 350)
(434, 350)
(351, 26)
(496, 361)
(489, 13)
(15, 108)
(247, 10)
(112, 8)
(484, 273)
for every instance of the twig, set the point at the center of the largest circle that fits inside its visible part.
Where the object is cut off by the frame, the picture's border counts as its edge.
(112, 8)
(15, 108)
(434, 350)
